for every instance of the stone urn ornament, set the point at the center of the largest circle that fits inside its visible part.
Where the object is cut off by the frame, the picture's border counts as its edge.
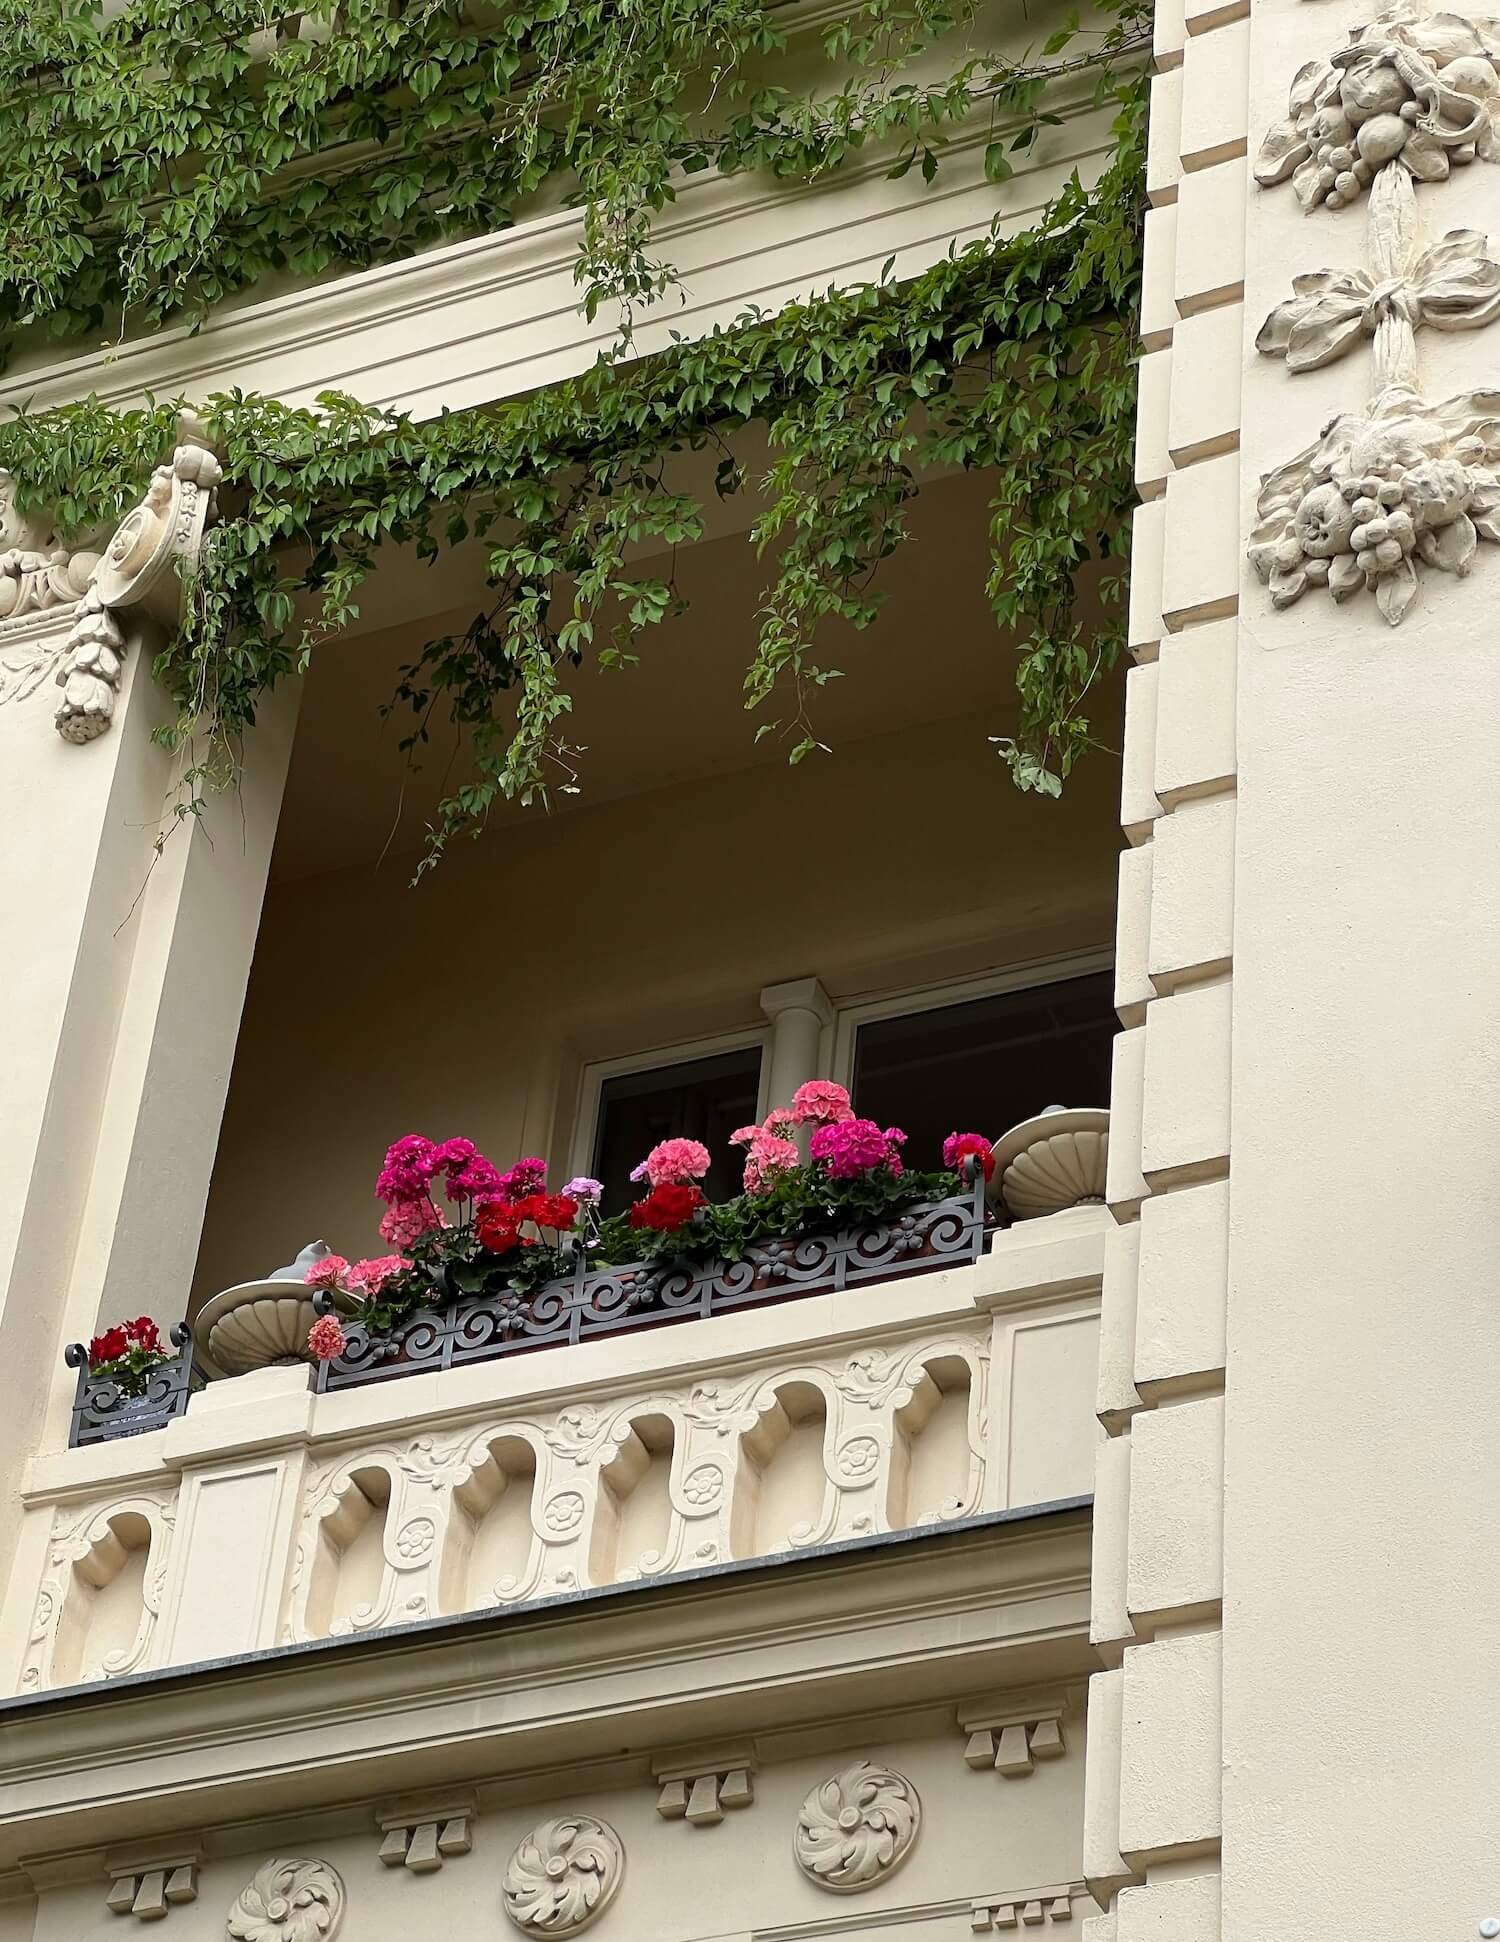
(262, 1324)
(1054, 1160)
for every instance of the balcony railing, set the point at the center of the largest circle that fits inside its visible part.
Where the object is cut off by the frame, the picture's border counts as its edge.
(603, 1301)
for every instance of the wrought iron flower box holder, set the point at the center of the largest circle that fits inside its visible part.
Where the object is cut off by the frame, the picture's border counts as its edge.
(602, 1301)
(101, 1409)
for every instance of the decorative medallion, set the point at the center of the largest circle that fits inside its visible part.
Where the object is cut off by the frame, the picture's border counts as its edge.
(415, 1537)
(703, 1485)
(289, 1901)
(563, 1512)
(563, 1875)
(859, 1457)
(857, 1828)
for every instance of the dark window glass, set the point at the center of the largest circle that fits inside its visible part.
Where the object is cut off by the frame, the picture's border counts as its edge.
(700, 1099)
(982, 1066)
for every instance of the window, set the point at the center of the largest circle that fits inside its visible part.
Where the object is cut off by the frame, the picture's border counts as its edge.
(697, 1099)
(986, 1063)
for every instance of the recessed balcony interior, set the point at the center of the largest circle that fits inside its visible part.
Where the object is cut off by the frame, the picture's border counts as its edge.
(603, 954)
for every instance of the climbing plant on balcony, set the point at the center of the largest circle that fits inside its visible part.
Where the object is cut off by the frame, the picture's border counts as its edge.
(164, 154)
(1012, 358)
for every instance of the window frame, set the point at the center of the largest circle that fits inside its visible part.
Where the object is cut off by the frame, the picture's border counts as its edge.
(904, 1001)
(594, 1072)
(913, 1000)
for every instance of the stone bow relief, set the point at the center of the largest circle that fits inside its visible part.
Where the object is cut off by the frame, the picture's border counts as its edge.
(857, 1828)
(1407, 482)
(288, 1901)
(563, 1875)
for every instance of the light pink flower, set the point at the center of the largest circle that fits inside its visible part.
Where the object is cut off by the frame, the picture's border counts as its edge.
(369, 1277)
(327, 1273)
(769, 1156)
(405, 1221)
(674, 1163)
(821, 1103)
(326, 1338)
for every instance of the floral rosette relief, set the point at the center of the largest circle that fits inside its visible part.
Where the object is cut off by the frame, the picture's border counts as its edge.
(1407, 483)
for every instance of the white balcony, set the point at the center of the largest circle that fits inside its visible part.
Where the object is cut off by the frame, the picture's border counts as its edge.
(270, 1514)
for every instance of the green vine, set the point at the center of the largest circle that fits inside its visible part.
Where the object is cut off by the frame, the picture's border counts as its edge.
(175, 152)
(1012, 358)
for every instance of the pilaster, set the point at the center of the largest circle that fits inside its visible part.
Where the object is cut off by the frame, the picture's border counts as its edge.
(1296, 1349)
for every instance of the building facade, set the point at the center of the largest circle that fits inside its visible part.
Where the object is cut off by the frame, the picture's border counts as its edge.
(1070, 1553)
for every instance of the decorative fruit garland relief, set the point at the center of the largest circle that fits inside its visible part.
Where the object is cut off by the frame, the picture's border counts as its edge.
(1407, 481)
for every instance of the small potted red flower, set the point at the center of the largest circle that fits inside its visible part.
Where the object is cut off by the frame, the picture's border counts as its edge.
(126, 1355)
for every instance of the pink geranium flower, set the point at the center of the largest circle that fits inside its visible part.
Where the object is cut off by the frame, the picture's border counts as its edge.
(405, 1221)
(327, 1273)
(820, 1103)
(367, 1278)
(674, 1163)
(407, 1172)
(849, 1147)
(768, 1158)
(326, 1338)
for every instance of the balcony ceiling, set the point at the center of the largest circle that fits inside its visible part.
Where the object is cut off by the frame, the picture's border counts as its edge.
(934, 654)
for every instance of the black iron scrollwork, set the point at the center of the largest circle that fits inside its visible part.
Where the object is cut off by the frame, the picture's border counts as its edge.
(602, 1301)
(102, 1410)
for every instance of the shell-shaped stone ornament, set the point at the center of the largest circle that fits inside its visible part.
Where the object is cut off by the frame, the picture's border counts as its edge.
(857, 1828)
(563, 1875)
(1056, 1160)
(288, 1901)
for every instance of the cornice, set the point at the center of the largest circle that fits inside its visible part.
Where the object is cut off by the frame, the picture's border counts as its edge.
(498, 314)
(930, 1616)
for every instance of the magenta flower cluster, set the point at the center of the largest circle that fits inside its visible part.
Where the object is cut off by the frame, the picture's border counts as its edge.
(413, 1167)
(846, 1148)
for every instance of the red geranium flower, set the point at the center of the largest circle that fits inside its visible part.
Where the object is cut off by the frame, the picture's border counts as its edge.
(141, 1334)
(109, 1346)
(670, 1205)
(958, 1147)
(498, 1229)
(557, 1211)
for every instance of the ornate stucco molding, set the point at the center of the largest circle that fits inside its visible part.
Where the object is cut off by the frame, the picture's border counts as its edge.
(288, 1901)
(1407, 482)
(857, 1828)
(63, 615)
(563, 1875)
(1409, 91)
(139, 573)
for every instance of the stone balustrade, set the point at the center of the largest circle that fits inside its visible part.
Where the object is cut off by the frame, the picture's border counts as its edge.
(271, 1514)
